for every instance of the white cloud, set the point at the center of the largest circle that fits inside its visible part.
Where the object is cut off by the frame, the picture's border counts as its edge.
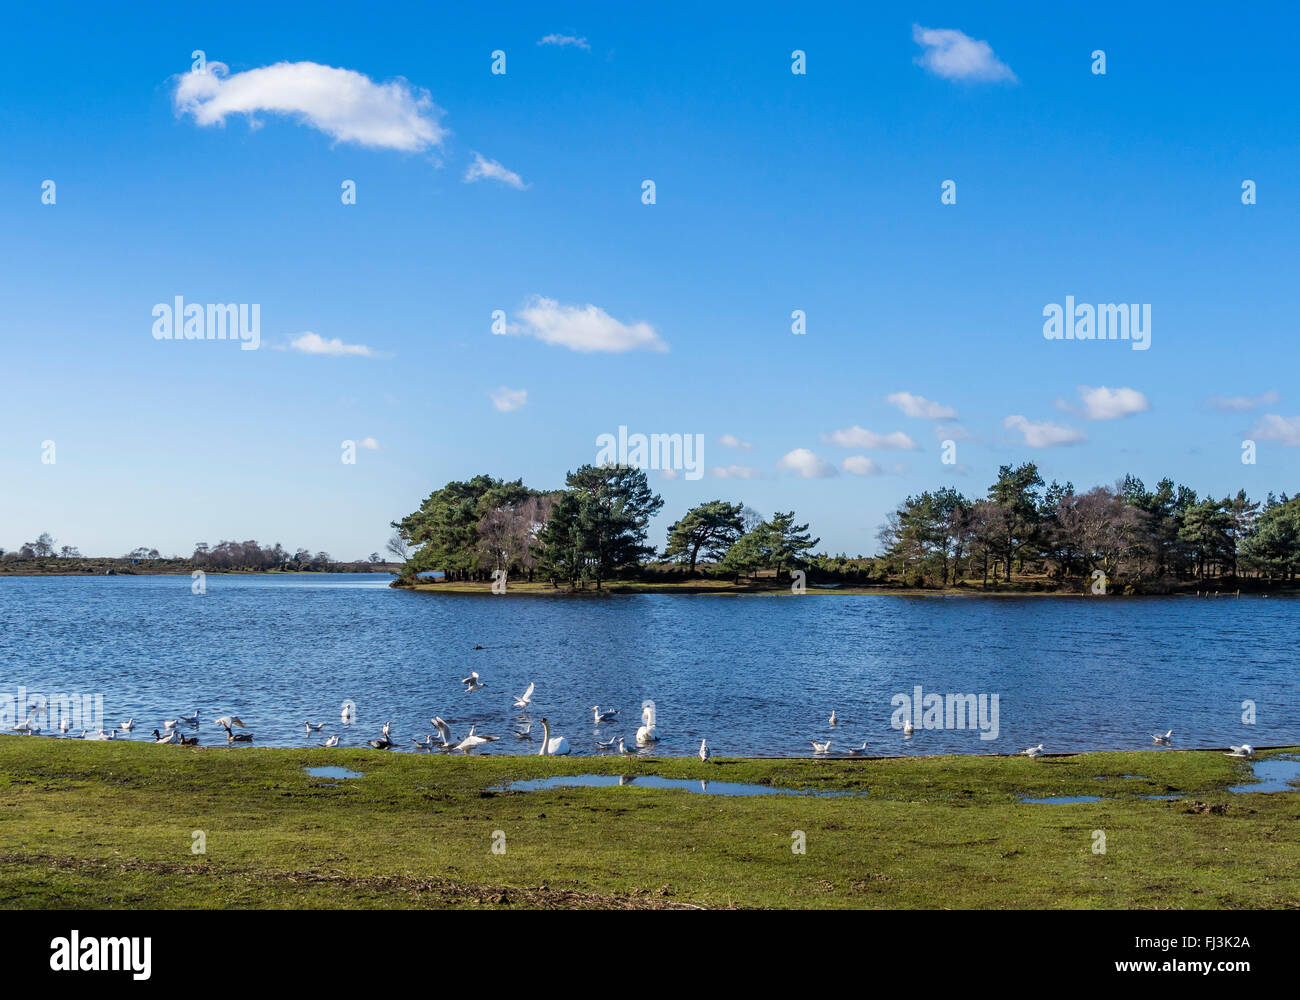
(1272, 427)
(314, 343)
(370, 444)
(735, 472)
(562, 40)
(919, 406)
(1244, 404)
(485, 169)
(345, 105)
(857, 437)
(1043, 435)
(507, 400)
(806, 464)
(586, 328)
(1102, 403)
(954, 55)
(731, 441)
(860, 465)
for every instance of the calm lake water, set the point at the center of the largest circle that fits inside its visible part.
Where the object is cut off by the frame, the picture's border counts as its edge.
(753, 675)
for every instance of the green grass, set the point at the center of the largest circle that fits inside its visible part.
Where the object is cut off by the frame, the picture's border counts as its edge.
(86, 824)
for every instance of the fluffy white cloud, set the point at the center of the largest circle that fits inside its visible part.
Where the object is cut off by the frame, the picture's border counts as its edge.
(1102, 403)
(919, 406)
(484, 169)
(370, 444)
(735, 472)
(506, 400)
(562, 40)
(587, 329)
(1272, 427)
(1244, 404)
(860, 465)
(314, 343)
(954, 55)
(857, 437)
(346, 105)
(731, 441)
(1043, 435)
(806, 464)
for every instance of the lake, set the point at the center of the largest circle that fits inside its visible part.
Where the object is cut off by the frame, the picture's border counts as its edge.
(753, 675)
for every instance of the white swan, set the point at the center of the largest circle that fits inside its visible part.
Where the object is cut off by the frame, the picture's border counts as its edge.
(556, 746)
(821, 747)
(521, 701)
(1245, 750)
(600, 716)
(647, 734)
(1163, 739)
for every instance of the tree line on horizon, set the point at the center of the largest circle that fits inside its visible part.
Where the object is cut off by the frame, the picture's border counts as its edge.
(595, 529)
(225, 556)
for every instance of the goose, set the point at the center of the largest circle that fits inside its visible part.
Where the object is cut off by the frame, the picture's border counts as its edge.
(474, 740)
(333, 741)
(349, 712)
(159, 738)
(908, 728)
(606, 745)
(233, 737)
(522, 700)
(126, 726)
(834, 719)
(600, 716)
(556, 746)
(647, 734)
(189, 741)
(1032, 751)
(1245, 750)
(704, 751)
(314, 727)
(226, 721)
(191, 720)
(821, 747)
(1163, 739)
(472, 683)
(444, 730)
(856, 751)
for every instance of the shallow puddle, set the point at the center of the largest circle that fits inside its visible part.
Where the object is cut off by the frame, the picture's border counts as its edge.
(698, 787)
(1274, 774)
(333, 772)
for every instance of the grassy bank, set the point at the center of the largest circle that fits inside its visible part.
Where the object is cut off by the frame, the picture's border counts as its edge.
(86, 824)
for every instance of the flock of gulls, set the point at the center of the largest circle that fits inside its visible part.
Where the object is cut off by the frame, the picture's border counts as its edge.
(647, 735)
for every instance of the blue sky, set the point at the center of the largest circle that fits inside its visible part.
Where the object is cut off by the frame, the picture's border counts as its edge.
(774, 192)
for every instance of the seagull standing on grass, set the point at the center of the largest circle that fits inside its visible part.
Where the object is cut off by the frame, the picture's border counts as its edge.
(1033, 751)
(1245, 750)
(704, 751)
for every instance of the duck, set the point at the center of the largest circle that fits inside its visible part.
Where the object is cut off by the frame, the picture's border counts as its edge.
(333, 741)
(159, 738)
(380, 744)
(1163, 739)
(647, 734)
(704, 751)
(821, 747)
(472, 683)
(521, 701)
(552, 746)
(600, 716)
(233, 737)
(189, 741)
(474, 740)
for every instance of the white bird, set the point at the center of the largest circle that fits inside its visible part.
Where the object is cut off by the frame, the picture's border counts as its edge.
(834, 719)
(521, 701)
(556, 746)
(647, 734)
(169, 723)
(1163, 739)
(472, 683)
(603, 716)
(908, 728)
(333, 741)
(314, 727)
(474, 740)
(387, 734)
(169, 738)
(1032, 751)
(444, 730)
(380, 744)
(1245, 750)
(622, 748)
(128, 725)
(821, 747)
(856, 751)
(63, 724)
(606, 745)
(524, 732)
(349, 711)
(226, 721)
(192, 720)
(704, 751)
(425, 744)
(101, 735)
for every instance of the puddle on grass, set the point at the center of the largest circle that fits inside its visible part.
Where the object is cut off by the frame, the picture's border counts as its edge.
(1058, 799)
(1274, 774)
(333, 772)
(698, 787)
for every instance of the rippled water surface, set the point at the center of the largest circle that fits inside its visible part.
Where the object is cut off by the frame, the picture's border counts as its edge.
(753, 675)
